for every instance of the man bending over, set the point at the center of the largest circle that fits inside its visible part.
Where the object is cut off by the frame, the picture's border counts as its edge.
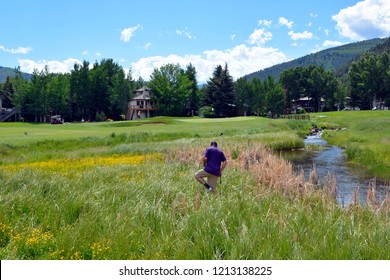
(214, 162)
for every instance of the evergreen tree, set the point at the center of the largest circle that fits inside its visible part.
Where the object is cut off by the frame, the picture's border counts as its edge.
(139, 83)
(80, 95)
(20, 86)
(219, 93)
(119, 95)
(7, 92)
(212, 87)
(193, 99)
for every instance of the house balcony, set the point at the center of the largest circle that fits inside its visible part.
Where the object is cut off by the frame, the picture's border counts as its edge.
(141, 107)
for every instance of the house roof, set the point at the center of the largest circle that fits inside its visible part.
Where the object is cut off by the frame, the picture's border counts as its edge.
(142, 93)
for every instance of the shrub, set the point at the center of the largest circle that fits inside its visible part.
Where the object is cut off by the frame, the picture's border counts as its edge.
(207, 112)
(101, 117)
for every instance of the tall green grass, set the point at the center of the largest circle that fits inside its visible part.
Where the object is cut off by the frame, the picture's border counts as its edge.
(156, 210)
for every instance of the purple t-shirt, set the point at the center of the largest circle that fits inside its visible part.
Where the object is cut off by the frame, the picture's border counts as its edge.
(214, 158)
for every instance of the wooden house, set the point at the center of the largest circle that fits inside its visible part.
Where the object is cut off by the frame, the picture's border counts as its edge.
(140, 106)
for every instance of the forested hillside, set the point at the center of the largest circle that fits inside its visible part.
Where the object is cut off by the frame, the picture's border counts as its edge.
(7, 71)
(331, 59)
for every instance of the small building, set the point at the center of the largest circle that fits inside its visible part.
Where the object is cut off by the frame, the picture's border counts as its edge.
(140, 106)
(307, 104)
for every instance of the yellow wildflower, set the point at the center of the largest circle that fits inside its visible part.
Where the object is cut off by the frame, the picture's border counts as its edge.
(98, 250)
(5, 234)
(68, 165)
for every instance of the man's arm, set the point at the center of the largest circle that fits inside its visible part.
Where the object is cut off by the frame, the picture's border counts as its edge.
(204, 161)
(223, 165)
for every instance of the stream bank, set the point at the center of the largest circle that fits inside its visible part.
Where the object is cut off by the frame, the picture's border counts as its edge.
(352, 183)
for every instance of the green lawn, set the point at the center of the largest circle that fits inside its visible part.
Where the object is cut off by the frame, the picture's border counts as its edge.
(26, 133)
(21, 133)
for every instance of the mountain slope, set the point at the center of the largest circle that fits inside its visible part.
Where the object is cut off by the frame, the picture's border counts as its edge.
(332, 59)
(7, 71)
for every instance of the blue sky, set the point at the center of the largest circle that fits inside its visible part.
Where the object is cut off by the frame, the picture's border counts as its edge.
(248, 35)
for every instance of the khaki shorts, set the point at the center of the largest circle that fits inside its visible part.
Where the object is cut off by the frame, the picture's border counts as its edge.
(211, 179)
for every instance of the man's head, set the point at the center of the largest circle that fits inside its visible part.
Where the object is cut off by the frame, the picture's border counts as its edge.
(214, 144)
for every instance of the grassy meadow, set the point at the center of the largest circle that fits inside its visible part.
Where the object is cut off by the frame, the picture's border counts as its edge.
(364, 135)
(126, 190)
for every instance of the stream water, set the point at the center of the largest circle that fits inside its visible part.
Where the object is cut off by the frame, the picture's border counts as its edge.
(331, 160)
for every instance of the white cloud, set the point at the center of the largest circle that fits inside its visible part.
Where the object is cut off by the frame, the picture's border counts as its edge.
(327, 32)
(367, 19)
(296, 44)
(185, 33)
(285, 22)
(313, 15)
(19, 50)
(86, 53)
(305, 35)
(330, 44)
(259, 37)
(28, 65)
(265, 22)
(127, 33)
(241, 60)
(147, 46)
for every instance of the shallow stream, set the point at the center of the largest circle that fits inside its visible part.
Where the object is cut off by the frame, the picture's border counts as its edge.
(331, 160)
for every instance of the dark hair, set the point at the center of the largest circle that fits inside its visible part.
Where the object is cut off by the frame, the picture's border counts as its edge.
(214, 144)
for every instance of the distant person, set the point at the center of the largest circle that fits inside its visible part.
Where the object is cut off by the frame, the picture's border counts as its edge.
(214, 162)
(139, 114)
